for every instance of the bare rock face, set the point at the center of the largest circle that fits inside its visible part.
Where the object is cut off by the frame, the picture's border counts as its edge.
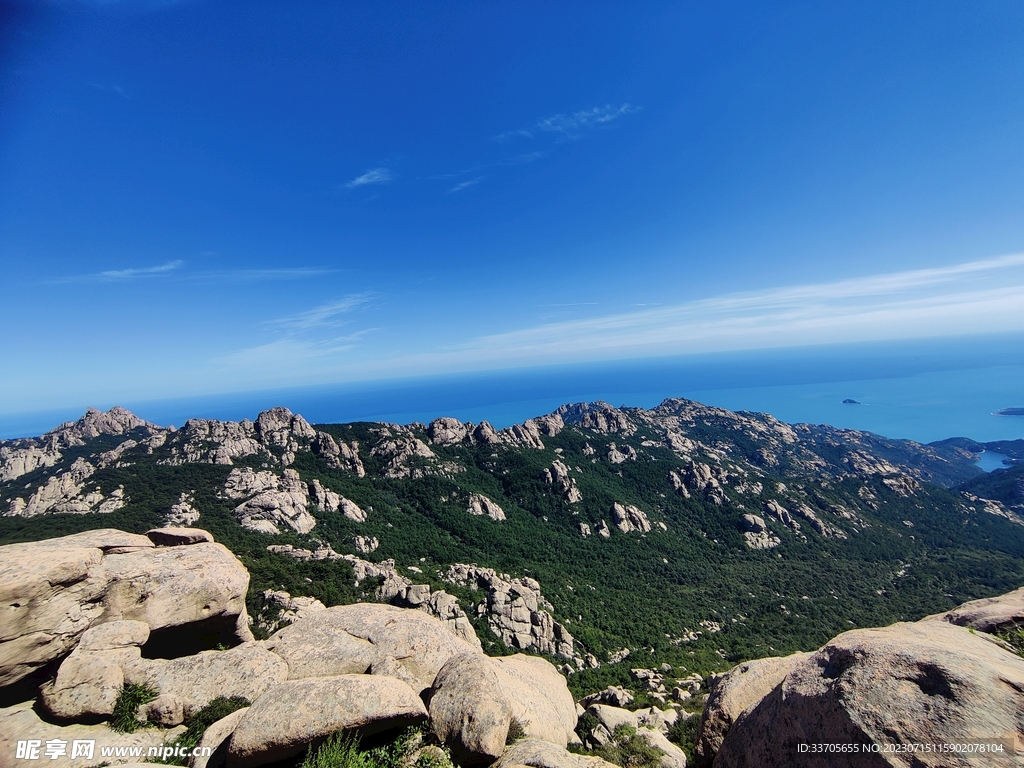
(247, 670)
(558, 476)
(365, 544)
(481, 505)
(475, 698)
(515, 609)
(620, 455)
(991, 614)
(182, 513)
(292, 715)
(928, 682)
(339, 455)
(216, 738)
(174, 537)
(20, 723)
(272, 501)
(448, 431)
(350, 639)
(66, 493)
(90, 679)
(736, 691)
(756, 534)
(536, 753)
(629, 518)
(52, 591)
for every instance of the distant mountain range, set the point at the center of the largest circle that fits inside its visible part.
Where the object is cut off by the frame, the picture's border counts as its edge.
(607, 538)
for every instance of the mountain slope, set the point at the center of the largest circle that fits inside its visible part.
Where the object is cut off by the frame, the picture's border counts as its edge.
(684, 533)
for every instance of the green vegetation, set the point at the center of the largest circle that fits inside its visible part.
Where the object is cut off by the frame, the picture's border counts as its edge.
(629, 750)
(196, 725)
(903, 556)
(1014, 638)
(516, 731)
(343, 750)
(125, 717)
(683, 732)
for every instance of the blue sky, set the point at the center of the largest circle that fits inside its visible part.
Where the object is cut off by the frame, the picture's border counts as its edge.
(207, 197)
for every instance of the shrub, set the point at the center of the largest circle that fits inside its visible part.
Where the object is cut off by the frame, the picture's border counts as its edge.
(516, 731)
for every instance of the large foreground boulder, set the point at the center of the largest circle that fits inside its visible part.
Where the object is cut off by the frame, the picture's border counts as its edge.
(21, 723)
(929, 682)
(740, 688)
(291, 716)
(474, 700)
(52, 591)
(367, 637)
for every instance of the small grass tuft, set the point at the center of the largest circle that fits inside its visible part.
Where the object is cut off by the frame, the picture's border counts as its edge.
(516, 731)
(125, 718)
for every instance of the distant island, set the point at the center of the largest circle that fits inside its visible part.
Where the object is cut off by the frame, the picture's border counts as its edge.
(851, 401)
(1007, 411)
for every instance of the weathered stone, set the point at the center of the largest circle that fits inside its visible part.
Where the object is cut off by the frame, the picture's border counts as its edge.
(294, 714)
(733, 693)
(481, 505)
(475, 698)
(54, 590)
(924, 683)
(247, 670)
(20, 723)
(672, 755)
(174, 537)
(216, 739)
(991, 614)
(349, 639)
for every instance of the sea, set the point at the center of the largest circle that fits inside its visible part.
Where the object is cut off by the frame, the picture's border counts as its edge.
(922, 390)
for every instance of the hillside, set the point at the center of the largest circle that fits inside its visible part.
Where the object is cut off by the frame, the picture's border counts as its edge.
(684, 534)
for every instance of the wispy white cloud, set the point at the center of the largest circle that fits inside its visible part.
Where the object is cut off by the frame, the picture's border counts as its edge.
(263, 275)
(324, 315)
(373, 176)
(587, 118)
(969, 298)
(465, 184)
(111, 88)
(132, 273)
(521, 133)
(570, 124)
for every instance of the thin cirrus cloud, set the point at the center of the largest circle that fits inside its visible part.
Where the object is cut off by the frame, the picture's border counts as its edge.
(466, 184)
(967, 298)
(570, 125)
(322, 316)
(132, 273)
(373, 176)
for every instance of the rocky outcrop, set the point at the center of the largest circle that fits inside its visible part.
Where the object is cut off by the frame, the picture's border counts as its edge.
(292, 715)
(756, 534)
(515, 609)
(365, 544)
(990, 614)
(448, 431)
(52, 591)
(481, 505)
(352, 639)
(176, 537)
(184, 512)
(598, 416)
(529, 434)
(621, 455)
(475, 698)
(66, 493)
(405, 456)
(558, 476)
(272, 501)
(628, 518)
(929, 682)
